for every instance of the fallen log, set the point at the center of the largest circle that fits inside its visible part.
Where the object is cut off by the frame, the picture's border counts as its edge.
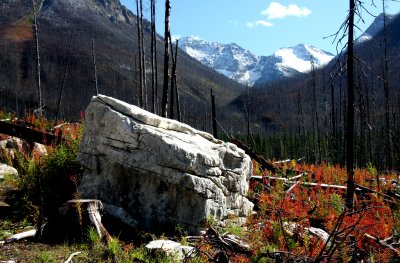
(384, 243)
(290, 182)
(368, 190)
(393, 198)
(19, 236)
(29, 134)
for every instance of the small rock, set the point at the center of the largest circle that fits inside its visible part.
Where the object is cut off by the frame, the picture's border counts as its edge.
(10, 149)
(7, 170)
(171, 248)
(38, 150)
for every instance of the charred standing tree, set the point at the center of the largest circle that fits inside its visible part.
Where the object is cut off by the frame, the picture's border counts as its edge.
(164, 102)
(350, 109)
(302, 128)
(333, 124)
(64, 75)
(214, 116)
(172, 91)
(143, 61)
(154, 73)
(94, 68)
(315, 122)
(174, 88)
(386, 87)
(139, 36)
(178, 103)
(37, 50)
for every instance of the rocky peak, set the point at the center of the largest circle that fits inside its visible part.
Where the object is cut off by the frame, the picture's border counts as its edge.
(112, 9)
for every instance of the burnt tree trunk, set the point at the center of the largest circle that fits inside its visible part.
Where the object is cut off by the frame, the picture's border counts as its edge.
(94, 68)
(139, 35)
(214, 116)
(64, 75)
(386, 86)
(315, 122)
(164, 102)
(37, 51)
(333, 121)
(154, 73)
(174, 88)
(350, 109)
(143, 92)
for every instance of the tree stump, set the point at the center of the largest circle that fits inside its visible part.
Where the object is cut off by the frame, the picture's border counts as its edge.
(74, 220)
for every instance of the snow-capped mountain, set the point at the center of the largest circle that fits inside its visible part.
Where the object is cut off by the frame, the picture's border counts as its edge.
(243, 66)
(230, 60)
(375, 27)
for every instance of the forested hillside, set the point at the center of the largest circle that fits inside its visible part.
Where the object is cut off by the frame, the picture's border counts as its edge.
(75, 34)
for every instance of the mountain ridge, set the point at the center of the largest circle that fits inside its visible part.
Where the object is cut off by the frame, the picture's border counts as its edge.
(247, 68)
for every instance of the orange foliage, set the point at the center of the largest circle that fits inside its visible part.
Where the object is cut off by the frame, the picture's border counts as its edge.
(322, 208)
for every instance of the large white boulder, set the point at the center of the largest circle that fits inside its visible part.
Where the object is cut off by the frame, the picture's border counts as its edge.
(161, 172)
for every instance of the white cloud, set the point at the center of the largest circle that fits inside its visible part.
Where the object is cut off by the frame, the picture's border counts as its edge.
(264, 23)
(259, 23)
(276, 10)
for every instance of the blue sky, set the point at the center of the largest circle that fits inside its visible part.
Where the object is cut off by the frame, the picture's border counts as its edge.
(258, 25)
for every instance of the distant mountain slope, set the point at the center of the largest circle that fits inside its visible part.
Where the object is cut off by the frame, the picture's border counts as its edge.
(375, 27)
(243, 66)
(287, 105)
(112, 29)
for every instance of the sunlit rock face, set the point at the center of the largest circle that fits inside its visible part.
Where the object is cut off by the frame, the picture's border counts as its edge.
(160, 173)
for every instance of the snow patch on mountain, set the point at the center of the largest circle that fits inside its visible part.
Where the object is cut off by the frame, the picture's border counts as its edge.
(299, 58)
(243, 66)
